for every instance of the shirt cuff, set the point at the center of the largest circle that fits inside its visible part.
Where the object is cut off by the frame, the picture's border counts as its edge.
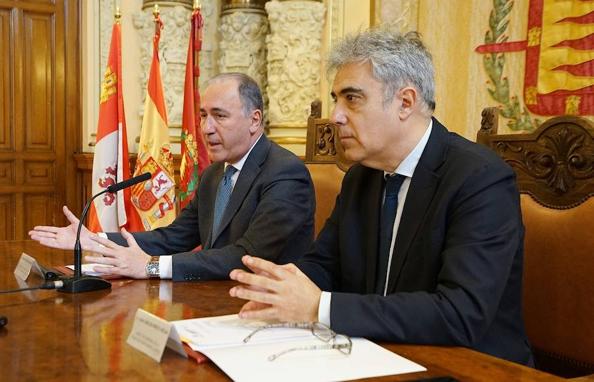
(324, 308)
(165, 267)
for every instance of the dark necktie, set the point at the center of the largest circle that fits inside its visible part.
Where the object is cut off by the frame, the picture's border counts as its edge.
(388, 216)
(223, 195)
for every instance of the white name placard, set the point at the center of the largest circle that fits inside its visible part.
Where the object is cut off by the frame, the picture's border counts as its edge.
(23, 268)
(151, 334)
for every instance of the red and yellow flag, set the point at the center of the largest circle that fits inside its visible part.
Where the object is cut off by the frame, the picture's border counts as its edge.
(194, 158)
(110, 162)
(154, 199)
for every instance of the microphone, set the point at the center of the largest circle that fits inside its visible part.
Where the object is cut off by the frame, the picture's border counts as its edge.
(79, 283)
(129, 182)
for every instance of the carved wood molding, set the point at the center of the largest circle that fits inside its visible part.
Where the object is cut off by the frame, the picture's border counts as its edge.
(555, 164)
(322, 144)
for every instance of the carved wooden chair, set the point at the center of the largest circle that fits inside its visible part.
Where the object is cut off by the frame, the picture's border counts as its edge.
(325, 160)
(555, 175)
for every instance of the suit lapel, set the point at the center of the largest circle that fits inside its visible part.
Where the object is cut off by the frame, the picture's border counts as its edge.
(421, 191)
(370, 226)
(210, 196)
(247, 176)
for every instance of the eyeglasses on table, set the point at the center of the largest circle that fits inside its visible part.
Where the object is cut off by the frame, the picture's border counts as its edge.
(333, 340)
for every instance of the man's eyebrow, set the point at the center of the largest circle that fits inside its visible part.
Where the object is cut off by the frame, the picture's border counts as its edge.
(347, 90)
(351, 89)
(214, 110)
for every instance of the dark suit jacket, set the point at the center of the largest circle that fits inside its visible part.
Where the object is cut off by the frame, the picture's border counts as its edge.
(456, 275)
(269, 215)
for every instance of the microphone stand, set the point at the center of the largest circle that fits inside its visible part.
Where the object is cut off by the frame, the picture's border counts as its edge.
(83, 283)
(79, 282)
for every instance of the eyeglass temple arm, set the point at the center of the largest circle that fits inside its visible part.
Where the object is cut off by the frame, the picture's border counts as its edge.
(311, 347)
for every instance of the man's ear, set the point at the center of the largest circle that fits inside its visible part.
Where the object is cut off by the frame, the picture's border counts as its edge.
(256, 121)
(407, 98)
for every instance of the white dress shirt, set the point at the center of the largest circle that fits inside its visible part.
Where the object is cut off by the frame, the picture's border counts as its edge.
(407, 168)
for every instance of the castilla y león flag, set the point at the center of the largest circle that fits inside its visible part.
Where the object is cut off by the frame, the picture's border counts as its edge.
(110, 163)
(559, 77)
(154, 199)
(193, 151)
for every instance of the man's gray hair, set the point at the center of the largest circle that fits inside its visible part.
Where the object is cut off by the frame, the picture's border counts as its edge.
(249, 91)
(397, 60)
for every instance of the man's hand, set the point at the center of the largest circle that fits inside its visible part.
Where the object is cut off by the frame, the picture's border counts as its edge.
(63, 237)
(125, 261)
(276, 292)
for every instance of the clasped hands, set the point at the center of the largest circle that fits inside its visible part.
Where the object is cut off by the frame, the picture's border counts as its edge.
(275, 292)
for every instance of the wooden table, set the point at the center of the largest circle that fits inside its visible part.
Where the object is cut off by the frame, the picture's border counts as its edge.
(58, 336)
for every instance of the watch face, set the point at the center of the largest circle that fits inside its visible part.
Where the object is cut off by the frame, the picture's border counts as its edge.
(152, 269)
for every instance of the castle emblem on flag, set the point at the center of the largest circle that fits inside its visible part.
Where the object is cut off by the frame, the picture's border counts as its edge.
(108, 85)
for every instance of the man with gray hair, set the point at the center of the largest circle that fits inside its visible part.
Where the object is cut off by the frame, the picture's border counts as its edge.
(425, 242)
(255, 198)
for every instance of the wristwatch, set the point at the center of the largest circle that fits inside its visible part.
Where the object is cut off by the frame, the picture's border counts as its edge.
(152, 268)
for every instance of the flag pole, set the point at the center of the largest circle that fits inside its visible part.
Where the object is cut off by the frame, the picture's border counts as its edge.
(117, 15)
(157, 18)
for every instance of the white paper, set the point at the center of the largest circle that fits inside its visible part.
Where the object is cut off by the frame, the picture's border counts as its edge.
(87, 269)
(23, 268)
(221, 339)
(250, 363)
(151, 334)
(230, 330)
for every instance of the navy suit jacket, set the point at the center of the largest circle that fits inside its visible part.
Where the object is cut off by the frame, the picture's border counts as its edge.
(456, 272)
(270, 215)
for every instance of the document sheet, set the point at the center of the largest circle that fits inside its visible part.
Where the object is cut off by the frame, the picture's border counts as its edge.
(221, 339)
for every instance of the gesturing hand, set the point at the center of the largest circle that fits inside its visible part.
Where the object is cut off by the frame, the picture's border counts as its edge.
(63, 237)
(127, 261)
(276, 292)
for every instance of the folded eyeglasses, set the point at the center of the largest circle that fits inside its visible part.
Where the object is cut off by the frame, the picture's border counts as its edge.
(322, 332)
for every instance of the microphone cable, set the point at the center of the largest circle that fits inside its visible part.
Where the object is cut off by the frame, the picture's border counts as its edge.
(47, 285)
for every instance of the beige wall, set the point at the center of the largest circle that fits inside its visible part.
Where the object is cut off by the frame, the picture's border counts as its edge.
(452, 29)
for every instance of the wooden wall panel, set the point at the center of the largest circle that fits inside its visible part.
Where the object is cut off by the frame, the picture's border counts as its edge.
(7, 172)
(39, 209)
(6, 72)
(39, 173)
(39, 73)
(7, 214)
(39, 113)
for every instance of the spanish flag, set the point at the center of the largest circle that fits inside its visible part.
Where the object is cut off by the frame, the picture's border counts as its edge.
(154, 199)
(110, 162)
(194, 158)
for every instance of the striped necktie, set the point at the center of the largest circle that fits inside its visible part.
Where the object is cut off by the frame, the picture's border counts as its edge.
(223, 194)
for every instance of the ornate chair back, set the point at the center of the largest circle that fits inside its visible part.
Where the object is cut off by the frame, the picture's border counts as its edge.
(325, 160)
(555, 176)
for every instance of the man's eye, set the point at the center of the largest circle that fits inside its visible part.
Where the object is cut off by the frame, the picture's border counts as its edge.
(351, 97)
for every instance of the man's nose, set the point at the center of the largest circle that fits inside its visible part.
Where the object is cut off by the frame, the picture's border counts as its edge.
(338, 116)
(207, 124)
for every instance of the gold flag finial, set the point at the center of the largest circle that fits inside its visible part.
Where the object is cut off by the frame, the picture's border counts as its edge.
(197, 5)
(156, 11)
(117, 15)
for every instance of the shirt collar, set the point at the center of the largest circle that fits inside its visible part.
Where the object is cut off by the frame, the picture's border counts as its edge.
(239, 164)
(409, 164)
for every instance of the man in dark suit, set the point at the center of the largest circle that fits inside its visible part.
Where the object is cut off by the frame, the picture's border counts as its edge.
(256, 198)
(425, 241)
